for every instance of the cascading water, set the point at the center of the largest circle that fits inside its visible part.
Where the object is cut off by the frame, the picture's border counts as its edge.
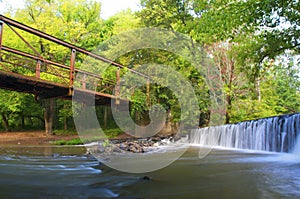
(276, 134)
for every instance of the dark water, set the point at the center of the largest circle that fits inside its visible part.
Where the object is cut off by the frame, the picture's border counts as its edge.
(59, 172)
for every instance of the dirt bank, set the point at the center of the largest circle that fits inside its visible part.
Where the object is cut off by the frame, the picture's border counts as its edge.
(38, 138)
(31, 138)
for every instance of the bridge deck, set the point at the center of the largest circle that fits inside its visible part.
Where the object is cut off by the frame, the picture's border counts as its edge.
(48, 89)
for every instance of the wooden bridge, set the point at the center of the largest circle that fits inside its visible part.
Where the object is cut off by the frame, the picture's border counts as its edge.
(40, 73)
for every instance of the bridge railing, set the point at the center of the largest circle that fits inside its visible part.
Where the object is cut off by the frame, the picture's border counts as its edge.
(43, 67)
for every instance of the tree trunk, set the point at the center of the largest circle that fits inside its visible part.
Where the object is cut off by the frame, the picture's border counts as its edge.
(258, 91)
(105, 118)
(65, 123)
(5, 122)
(30, 121)
(49, 115)
(22, 122)
(228, 109)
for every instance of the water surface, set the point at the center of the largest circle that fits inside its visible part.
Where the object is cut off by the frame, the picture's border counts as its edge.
(66, 172)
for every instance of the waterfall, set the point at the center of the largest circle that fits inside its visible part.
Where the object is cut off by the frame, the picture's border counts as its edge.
(276, 134)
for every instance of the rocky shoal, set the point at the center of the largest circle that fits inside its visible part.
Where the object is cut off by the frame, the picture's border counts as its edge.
(132, 145)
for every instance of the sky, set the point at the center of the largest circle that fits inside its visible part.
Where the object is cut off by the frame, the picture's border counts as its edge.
(109, 7)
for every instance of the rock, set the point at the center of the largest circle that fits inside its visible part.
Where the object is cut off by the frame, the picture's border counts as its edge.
(146, 178)
(130, 145)
(117, 150)
(155, 139)
(175, 138)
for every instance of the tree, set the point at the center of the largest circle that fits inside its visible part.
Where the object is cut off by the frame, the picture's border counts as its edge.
(7, 107)
(283, 79)
(16, 108)
(65, 113)
(264, 29)
(229, 72)
(279, 93)
(257, 33)
(179, 16)
(77, 22)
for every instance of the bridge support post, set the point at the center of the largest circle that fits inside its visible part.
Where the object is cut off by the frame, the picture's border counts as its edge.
(72, 71)
(37, 75)
(38, 69)
(117, 89)
(1, 33)
(84, 81)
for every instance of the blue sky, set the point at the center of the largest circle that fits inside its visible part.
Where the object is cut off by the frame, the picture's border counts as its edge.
(109, 7)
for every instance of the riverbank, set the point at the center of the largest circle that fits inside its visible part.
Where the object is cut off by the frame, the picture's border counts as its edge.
(31, 138)
(122, 143)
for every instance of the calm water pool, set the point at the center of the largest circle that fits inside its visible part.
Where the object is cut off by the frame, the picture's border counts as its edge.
(66, 172)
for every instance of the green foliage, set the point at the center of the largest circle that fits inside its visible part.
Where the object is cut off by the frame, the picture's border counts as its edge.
(257, 32)
(279, 94)
(112, 133)
(139, 104)
(19, 109)
(253, 44)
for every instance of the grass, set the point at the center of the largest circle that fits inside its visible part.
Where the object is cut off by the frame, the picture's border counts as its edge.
(76, 141)
(112, 133)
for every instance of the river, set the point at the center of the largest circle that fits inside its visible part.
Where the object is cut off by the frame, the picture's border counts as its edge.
(66, 172)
